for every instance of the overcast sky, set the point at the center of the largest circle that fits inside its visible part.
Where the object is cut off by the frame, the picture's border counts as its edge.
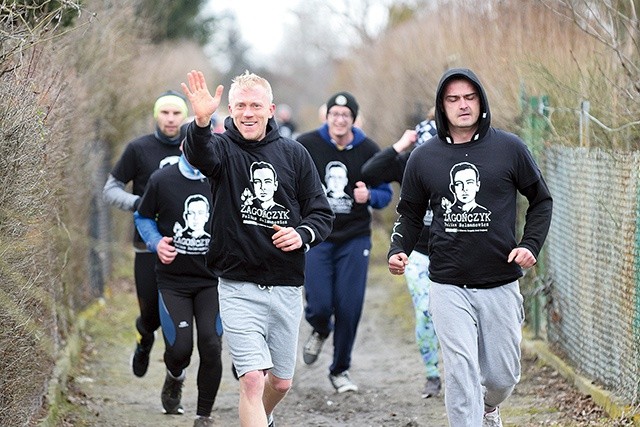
(261, 22)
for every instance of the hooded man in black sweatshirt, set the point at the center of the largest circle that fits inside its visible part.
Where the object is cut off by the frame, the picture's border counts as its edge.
(470, 175)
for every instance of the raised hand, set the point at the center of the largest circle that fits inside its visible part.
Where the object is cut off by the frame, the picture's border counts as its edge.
(202, 103)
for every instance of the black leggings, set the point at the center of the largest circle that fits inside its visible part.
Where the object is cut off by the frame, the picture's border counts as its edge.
(147, 291)
(178, 308)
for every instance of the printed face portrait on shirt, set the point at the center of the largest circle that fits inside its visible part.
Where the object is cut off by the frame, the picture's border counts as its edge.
(465, 185)
(192, 238)
(463, 214)
(336, 179)
(196, 214)
(265, 184)
(259, 206)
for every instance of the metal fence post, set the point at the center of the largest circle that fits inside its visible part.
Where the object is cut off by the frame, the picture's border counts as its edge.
(585, 106)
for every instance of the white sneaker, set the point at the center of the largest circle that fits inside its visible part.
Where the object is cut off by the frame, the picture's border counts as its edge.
(492, 419)
(312, 348)
(342, 382)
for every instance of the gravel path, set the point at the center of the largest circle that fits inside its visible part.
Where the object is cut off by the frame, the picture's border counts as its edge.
(386, 366)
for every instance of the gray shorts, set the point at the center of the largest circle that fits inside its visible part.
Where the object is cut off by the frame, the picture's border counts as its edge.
(261, 325)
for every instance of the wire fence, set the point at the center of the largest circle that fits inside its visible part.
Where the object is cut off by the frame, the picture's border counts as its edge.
(592, 303)
(100, 222)
(588, 291)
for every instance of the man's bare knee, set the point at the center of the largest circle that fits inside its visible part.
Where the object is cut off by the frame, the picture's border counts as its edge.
(279, 385)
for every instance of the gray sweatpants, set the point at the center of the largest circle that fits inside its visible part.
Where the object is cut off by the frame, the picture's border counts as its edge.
(479, 331)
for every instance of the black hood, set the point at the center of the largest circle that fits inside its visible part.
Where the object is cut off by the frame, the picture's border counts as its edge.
(441, 120)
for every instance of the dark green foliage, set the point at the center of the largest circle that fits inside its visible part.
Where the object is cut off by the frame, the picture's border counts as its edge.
(177, 19)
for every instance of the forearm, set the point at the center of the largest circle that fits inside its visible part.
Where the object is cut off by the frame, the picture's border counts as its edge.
(386, 166)
(114, 194)
(198, 149)
(380, 196)
(538, 217)
(407, 228)
(148, 229)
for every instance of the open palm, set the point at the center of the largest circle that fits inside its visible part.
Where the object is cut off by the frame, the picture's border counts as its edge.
(202, 103)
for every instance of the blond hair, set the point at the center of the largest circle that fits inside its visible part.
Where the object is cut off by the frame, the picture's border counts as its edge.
(249, 80)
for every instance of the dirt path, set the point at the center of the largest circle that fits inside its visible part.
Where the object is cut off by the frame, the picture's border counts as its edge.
(386, 366)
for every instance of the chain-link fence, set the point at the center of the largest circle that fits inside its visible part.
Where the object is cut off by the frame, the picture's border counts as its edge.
(100, 222)
(592, 300)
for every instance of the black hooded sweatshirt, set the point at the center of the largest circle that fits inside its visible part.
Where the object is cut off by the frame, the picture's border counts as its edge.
(241, 247)
(469, 244)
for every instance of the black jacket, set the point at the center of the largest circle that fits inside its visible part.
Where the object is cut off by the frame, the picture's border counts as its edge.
(241, 244)
(470, 240)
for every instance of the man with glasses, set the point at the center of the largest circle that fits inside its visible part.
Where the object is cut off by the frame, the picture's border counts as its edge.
(336, 270)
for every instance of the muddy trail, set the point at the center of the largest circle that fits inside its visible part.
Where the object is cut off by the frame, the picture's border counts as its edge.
(386, 366)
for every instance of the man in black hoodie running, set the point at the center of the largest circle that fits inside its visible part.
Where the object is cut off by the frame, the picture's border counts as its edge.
(257, 252)
(475, 260)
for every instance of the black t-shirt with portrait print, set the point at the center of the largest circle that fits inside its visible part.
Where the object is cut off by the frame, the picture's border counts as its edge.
(142, 157)
(352, 219)
(470, 245)
(182, 210)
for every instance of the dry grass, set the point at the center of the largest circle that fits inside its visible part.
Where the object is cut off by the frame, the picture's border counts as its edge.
(514, 47)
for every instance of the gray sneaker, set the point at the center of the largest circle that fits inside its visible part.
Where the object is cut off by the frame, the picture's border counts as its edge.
(312, 348)
(201, 421)
(342, 382)
(492, 419)
(172, 393)
(432, 387)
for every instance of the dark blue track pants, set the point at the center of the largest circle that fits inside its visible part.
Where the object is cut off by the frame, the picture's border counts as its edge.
(335, 282)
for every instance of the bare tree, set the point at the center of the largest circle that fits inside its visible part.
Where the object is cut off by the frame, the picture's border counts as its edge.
(24, 24)
(614, 23)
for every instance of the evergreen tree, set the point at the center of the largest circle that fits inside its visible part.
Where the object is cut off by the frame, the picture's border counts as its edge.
(177, 19)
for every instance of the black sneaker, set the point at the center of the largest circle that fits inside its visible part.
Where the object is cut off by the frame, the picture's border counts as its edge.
(202, 421)
(140, 359)
(172, 393)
